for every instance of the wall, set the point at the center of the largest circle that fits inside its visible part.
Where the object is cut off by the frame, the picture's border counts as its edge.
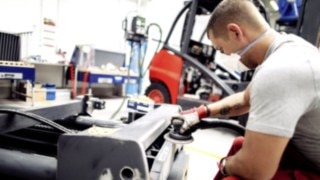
(19, 15)
(94, 22)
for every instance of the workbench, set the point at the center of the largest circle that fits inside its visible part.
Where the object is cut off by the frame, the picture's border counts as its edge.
(96, 76)
(13, 70)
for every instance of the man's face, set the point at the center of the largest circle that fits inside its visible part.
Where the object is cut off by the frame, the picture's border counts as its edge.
(229, 46)
(222, 44)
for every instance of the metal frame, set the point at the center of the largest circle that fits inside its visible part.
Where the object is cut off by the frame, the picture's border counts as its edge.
(309, 22)
(111, 153)
(136, 150)
(9, 122)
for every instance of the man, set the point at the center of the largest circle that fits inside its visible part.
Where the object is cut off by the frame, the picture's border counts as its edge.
(283, 98)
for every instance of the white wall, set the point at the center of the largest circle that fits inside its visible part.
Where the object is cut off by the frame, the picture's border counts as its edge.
(99, 22)
(94, 22)
(19, 15)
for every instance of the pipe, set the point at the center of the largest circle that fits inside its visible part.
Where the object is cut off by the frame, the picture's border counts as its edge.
(27, 166)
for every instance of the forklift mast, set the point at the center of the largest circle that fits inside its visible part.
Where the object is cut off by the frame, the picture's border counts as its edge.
(309, 22)
(197, 7)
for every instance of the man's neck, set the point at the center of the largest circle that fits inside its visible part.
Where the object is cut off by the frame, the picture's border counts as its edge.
(259, 51)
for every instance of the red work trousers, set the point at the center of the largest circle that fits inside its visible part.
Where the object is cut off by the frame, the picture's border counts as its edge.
(292, 166)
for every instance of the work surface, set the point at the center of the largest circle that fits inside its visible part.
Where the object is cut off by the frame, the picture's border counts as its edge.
(19, 104)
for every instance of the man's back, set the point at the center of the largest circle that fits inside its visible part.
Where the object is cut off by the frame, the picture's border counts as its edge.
(284, 95)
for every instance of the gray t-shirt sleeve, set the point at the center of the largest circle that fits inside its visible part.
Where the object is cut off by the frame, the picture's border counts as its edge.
(276, 101)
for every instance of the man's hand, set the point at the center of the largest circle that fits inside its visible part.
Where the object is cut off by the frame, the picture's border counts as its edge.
(192, 117)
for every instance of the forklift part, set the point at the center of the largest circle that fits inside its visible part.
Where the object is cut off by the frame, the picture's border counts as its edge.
(166, 68)
(309, 22)
(158, 92)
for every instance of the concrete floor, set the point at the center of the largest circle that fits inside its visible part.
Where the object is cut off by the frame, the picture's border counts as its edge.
(205, 151)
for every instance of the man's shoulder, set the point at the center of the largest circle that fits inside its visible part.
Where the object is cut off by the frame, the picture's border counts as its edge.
(272, 70)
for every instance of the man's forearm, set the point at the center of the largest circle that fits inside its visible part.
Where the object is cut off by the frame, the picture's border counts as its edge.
(237, 167)
(258, 157)
(233, 105)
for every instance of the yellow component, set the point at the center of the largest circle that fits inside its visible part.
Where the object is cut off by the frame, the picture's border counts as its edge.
(16, 64)
(140, 98)
(202, 152)
(100, 131)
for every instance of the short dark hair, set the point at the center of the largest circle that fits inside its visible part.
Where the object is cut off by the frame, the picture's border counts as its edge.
(234, 11)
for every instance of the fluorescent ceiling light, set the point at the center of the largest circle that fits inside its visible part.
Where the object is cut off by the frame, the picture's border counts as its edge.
(274, 5)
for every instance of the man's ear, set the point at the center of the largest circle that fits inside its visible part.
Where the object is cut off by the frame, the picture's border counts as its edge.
(234, 31)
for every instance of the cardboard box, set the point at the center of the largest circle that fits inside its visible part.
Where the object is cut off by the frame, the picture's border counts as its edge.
(39, 95)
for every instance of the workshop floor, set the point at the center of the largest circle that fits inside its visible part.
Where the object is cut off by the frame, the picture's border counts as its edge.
(208, 147)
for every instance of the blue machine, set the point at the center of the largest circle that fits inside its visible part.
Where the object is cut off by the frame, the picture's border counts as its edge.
(289, 13)
(132, 88)
(137, 40)
(98, 78)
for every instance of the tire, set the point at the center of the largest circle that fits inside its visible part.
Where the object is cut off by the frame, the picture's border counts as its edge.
(158, 92)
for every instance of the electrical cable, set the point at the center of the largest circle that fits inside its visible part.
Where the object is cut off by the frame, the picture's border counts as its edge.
(157, 49)
(37, 118)
(160, 32)
(140, 65)
(125, 92)
(124, 27)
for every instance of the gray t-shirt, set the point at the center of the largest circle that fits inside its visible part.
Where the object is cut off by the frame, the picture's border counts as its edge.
(285, 95)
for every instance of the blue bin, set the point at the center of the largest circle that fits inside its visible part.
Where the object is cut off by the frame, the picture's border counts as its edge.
(51, 91)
